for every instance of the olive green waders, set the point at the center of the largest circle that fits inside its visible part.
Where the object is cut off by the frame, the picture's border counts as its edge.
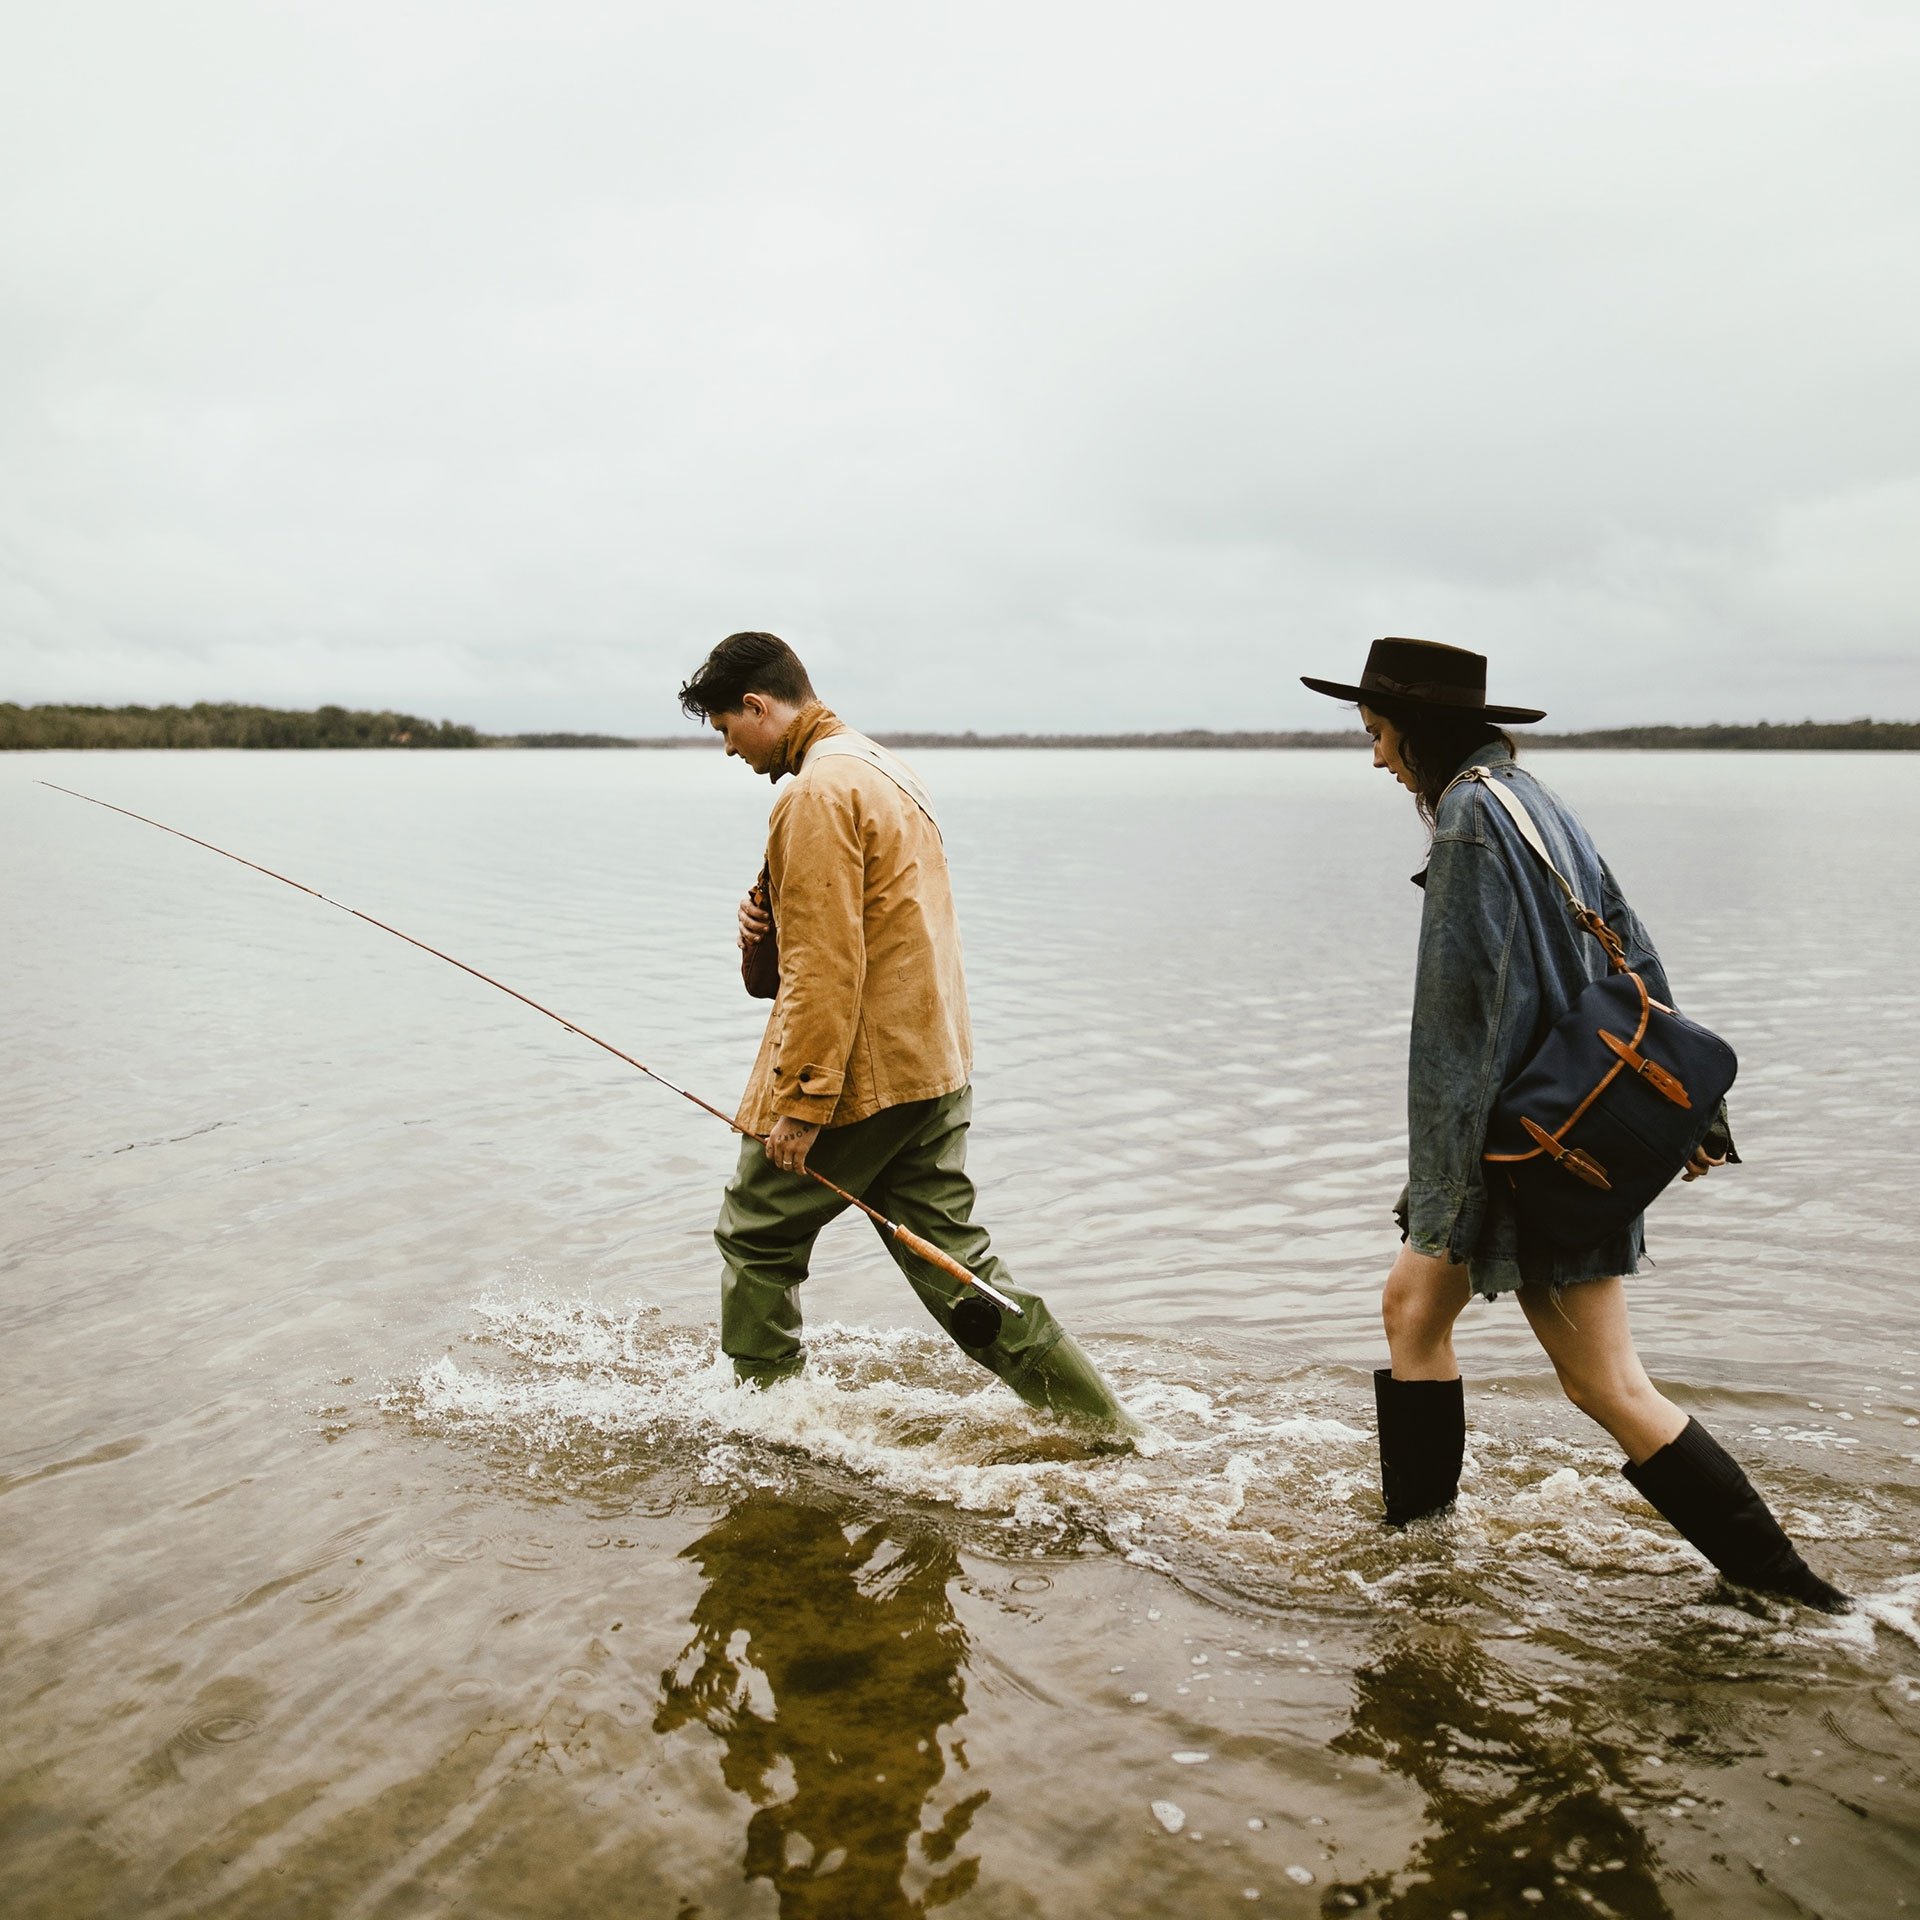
(910, 1162)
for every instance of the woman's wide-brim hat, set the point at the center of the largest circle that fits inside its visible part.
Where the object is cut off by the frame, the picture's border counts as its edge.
(1424, 674)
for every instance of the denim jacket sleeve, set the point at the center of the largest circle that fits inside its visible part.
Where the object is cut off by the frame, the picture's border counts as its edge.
(1641, 956)
(1473, 1012)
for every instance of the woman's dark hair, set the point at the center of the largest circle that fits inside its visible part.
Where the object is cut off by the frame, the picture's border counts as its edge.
(1435, 745)
(741, 664)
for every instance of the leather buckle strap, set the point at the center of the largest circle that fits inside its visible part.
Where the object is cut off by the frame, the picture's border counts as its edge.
(1583, 1166)
(1590, 922)
(1655, 1075)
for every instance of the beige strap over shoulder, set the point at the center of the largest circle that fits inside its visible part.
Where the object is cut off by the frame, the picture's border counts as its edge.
(1521, 816)
(856, 746)
(1584, 916)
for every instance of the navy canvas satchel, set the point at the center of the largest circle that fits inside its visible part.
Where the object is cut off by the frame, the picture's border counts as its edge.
(1616, 1099)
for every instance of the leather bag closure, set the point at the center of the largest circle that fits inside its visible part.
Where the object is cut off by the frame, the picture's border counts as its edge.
(1655, 1075)
(1583, 1166)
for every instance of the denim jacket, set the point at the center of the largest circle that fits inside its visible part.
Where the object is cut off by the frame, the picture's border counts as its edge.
(1500, 962)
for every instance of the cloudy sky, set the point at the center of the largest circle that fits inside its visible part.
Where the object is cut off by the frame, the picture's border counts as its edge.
(1066, 366)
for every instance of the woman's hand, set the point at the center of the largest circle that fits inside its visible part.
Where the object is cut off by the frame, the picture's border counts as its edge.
(1702, 1164)
(755, 922)
(787, 1144)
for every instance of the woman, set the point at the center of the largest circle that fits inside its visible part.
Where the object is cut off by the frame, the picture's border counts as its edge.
(1500, 961)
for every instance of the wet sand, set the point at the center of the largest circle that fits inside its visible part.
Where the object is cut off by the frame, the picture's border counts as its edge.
(382, 1538)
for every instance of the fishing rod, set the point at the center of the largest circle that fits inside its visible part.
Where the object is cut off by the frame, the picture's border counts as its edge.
(920, 1248)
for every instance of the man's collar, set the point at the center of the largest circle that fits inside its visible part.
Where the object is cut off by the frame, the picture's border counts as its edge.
(813, 722)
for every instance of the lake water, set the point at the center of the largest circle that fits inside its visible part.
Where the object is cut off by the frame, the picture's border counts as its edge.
(381, 1537)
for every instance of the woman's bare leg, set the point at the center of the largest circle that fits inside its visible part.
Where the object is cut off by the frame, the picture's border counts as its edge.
(1673, 1462)
(1586, 1336)
(1422, 1299)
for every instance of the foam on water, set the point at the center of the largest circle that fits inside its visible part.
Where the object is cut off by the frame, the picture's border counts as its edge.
(588, 1396)
(1262, 1487)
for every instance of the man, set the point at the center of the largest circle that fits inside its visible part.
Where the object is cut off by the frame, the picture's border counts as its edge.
(863, 1071)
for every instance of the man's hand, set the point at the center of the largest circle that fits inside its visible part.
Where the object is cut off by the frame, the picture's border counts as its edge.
(787, 1144)
(755, 922)
(1702, 1164)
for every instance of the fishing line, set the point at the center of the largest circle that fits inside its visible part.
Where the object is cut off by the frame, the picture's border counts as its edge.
(920, 1248)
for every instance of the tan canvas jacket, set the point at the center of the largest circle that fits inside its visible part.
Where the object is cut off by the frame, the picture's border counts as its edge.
(872, 1007)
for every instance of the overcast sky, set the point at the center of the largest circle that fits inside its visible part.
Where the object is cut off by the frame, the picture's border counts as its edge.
(1026, 365)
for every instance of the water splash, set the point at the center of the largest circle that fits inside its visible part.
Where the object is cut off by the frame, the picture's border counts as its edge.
(1260, 1488)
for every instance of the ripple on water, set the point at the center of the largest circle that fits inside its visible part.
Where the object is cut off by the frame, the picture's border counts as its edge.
(329, 1588)
(216, 1730)
(225, 1713)
(451, 1546)
(529, 1555)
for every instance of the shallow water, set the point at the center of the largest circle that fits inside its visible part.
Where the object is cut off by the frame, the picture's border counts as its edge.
(381, 1537)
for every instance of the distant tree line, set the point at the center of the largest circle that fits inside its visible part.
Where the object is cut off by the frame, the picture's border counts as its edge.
(1187, 738)
(1853, 736)
(222, 725)
(1800, 736)
(226, 725)
(580, 740)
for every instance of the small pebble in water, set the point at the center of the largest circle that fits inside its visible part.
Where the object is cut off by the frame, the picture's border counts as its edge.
(1249, 1893)
(1300, 1876)
(1137, 1699)
(1256, 1825)
(1116, 1669)
(1189, 1757)
(1153, 1613)
(1169, 1815)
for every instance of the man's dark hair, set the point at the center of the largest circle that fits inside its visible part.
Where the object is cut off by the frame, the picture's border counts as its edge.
(741, 664)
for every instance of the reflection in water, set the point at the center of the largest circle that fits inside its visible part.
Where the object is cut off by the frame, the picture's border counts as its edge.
(1519, 1810)
(828, 1660)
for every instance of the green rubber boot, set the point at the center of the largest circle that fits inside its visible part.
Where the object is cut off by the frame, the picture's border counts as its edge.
(1064, 1380)
(769, 1373)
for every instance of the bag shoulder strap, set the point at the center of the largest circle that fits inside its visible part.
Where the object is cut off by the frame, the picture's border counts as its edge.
(856, 746)
(1517, 810)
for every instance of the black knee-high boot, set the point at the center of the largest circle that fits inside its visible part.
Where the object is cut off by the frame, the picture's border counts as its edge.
(1423, 1433)
(1701, 1490)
